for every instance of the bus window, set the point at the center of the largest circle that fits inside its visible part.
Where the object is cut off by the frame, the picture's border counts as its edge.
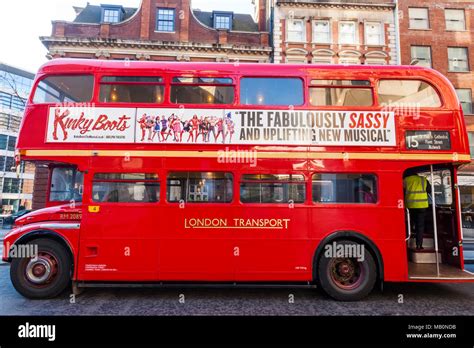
(341, 93)
(275, 188)
(271, 91)
(65, 88)
(407, 92)
(345, 188)
(132, 89)
(66, 185)
(126, 188)
(340, 83)
(202, 90)
(200, 187)
(442, 186)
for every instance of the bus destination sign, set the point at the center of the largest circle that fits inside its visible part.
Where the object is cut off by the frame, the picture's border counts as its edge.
(428, 140)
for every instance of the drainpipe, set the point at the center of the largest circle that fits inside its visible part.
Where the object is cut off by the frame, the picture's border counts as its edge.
(397, 33)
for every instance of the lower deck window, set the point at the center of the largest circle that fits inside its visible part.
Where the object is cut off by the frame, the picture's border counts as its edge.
(195, 187)
(126, 188)
(345, 188)
(276, 188)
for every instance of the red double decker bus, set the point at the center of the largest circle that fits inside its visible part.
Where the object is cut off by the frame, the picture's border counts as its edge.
(239, 173)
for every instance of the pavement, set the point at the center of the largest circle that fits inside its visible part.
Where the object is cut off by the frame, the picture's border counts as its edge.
(397, 299)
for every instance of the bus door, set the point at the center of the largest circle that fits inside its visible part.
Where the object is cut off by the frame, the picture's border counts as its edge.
(441, 256)
(120, 217)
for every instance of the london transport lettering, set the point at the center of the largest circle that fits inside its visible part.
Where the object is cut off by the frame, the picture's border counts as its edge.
(236, 223)
(217, 126)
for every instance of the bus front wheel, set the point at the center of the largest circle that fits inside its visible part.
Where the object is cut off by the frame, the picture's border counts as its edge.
(346, 271)
(46, 274)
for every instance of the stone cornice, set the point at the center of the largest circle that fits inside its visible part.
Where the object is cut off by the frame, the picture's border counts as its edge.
(150, 45)
(336, 4)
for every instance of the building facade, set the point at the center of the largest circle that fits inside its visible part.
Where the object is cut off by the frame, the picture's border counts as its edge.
(440, 35)
(16, 189)
(335, 32)
(162, 30)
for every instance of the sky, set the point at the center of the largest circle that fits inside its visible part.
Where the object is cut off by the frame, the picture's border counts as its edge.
(23, 21)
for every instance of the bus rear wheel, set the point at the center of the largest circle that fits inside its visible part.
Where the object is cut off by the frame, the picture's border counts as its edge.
(45, 276)
(347, 278)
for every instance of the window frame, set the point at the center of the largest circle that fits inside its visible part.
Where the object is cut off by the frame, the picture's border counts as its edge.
(356, 32)
(314, 32)
(470, 97)
(465, 49)
(166, 191)
(50, 181)
(158, 20)
(106, 14)
(428, 22)
(430, 50)
(409, 78)
(381, 33)
(100, 83)
(303, 182)
(370, 86)
(342, 204)
(45, 76)
(446, 21)
(233, 84)
(303, 33)
(304, 92)
(156, 181)
(217, 16)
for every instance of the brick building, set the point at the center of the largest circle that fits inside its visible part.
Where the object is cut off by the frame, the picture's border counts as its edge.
(335, 32)
(161, 30)
(439, 35)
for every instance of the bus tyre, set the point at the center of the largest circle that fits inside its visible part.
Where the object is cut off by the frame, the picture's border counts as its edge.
(45, 276)
(346, 278)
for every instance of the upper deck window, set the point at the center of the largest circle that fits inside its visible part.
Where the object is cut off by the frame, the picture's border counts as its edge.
(407, 93)
(202, 90)
(132, 89)
(341, 93)
(65, 88)
(271, 91)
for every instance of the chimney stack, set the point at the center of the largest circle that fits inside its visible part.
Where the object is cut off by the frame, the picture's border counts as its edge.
(262, 10)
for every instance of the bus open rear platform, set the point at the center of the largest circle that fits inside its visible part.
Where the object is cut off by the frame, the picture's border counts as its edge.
(428, 271)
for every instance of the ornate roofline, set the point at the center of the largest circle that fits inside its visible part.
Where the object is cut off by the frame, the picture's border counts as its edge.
(185, 46)
(349, 5)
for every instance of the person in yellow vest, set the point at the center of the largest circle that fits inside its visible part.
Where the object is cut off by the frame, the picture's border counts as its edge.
(417, 188)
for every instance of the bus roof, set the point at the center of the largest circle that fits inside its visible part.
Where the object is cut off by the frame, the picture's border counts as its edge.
(81, 65)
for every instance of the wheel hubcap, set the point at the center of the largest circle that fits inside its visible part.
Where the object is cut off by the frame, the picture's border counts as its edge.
(42, 269)
(347, 273)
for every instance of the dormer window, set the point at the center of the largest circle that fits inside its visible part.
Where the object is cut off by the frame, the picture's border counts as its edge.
(112, 14)
(223, 20)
